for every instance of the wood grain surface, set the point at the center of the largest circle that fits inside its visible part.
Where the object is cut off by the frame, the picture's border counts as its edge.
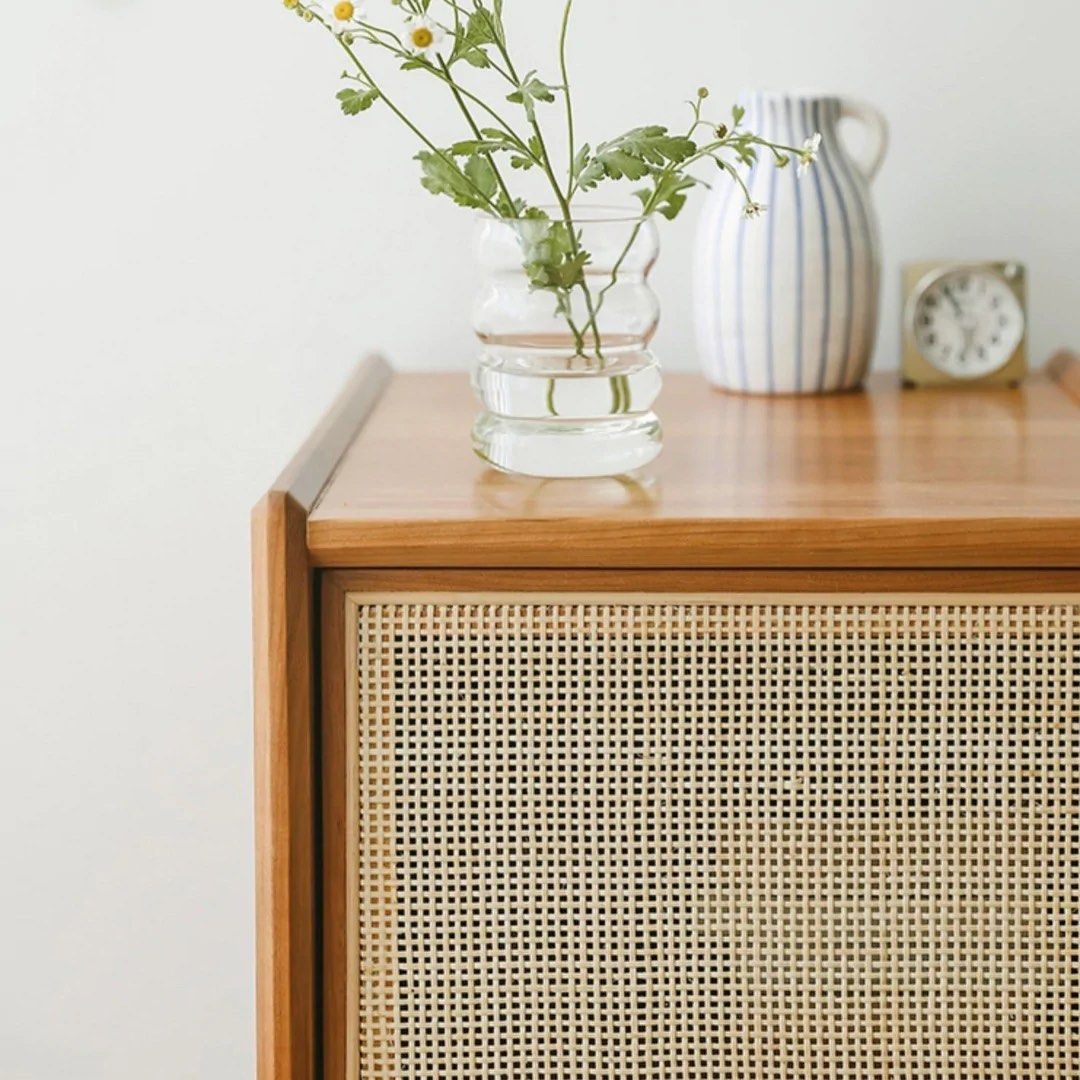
(886, 478)
(844, 584)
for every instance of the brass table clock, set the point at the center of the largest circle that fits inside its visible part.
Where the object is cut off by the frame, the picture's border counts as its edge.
(964, 324)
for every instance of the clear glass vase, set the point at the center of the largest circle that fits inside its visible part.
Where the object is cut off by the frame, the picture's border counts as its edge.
(566, 378)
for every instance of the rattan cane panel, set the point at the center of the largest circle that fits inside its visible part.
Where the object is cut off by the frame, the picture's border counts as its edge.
(725, 841)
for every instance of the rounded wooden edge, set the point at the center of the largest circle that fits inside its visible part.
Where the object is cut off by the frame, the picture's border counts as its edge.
(313, 465)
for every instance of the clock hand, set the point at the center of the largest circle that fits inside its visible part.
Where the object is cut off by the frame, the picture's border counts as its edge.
(952, 299)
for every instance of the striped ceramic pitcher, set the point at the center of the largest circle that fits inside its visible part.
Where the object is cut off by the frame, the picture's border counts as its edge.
(788, 303)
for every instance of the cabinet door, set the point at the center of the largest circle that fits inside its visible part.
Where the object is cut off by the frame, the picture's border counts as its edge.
(655, 837)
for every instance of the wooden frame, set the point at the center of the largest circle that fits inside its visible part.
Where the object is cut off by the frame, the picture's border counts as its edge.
(285, 778)
(302, 699)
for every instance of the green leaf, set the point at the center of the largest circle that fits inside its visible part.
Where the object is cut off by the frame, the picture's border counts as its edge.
(465, 148)
(632, 156)
(551, 253)
(582, 159)
(530, 92)
(496, 141)
(571, 271)
(482, 29)
(616, 164)
(442, 176)
(468, 147)
(737, 113)
(521, 161)
(668, 197)
(657, 145)
(476, 57)
(482, 174)
(357, 101)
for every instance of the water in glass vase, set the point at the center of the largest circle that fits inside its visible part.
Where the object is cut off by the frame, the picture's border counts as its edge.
(566, 378)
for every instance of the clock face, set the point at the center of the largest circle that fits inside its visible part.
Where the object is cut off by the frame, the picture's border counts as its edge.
(968, 323)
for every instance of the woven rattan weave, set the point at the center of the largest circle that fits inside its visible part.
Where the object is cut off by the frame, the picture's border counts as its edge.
(717, 841)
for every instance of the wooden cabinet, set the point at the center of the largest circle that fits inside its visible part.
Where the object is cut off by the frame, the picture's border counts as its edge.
(765, 763)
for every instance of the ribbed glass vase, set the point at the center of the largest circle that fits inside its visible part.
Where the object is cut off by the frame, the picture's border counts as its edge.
(565, 376)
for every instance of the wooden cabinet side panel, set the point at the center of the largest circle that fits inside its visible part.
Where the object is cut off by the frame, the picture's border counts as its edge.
(284, 821)
(286, 784)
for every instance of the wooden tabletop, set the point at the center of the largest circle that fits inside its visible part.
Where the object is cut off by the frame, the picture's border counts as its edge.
(882, 478)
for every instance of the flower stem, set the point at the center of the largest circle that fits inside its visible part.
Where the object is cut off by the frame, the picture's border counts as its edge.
(563, 201)
(407, 122)
(566, 92)
(511, 209)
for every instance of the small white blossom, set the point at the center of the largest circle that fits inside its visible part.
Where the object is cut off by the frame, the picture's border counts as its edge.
(753, 209)
(340, 15)
(809, 152)
(424, 36)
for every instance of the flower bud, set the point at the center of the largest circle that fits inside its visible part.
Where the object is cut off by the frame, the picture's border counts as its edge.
(703, 92)
(721, 131)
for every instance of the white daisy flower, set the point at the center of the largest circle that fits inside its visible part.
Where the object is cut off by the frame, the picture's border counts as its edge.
(753, 209)
(809, 152)
(340, 15)
(423, 36)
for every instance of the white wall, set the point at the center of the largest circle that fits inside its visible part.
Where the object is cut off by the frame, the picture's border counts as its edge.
(194, 247)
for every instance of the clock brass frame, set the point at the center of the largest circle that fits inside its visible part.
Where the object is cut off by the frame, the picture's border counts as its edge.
(917, 279)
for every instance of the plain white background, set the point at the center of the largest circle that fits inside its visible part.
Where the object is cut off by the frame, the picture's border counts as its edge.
(194, 248)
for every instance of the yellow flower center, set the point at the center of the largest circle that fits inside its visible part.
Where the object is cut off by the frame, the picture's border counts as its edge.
(344, 10)
(291, 4)
(422, 37)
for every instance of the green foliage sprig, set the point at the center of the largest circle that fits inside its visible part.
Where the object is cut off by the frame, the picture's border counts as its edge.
(444, 39)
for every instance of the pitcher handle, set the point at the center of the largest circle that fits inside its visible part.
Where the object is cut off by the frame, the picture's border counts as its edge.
(879, 134)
